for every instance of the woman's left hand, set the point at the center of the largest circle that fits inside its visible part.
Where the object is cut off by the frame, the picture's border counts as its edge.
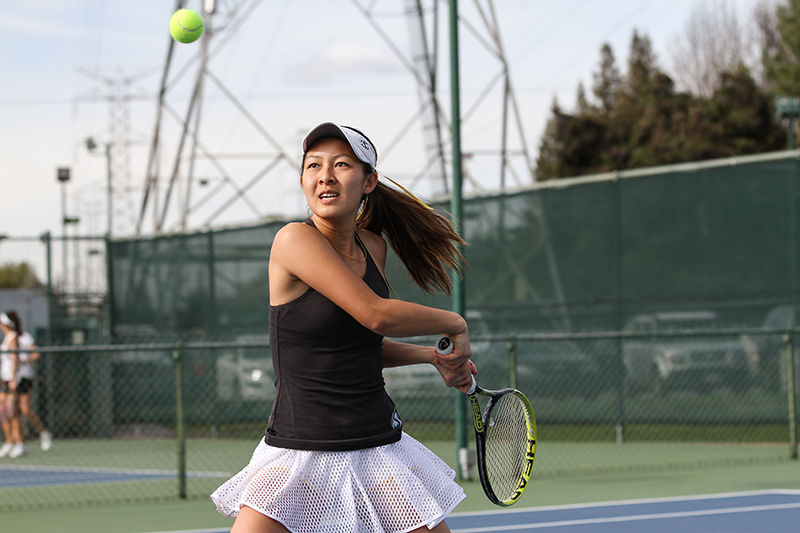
(459, 377)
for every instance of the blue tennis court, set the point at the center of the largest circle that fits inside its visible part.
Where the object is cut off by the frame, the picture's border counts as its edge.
(766, 511)
(37, 476)
(773, 511)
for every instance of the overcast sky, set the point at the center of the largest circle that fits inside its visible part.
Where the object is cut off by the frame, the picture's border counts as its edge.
(290, 64)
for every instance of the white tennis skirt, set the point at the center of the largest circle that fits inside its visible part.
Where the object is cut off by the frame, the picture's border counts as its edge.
(389, 489)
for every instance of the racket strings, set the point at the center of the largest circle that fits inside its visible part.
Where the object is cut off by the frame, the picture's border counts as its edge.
(506, 441)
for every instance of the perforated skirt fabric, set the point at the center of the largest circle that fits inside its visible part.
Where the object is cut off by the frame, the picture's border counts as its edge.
(388, 489)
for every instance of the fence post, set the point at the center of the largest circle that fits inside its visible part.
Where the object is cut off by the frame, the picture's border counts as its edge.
(101, 395)
(621, 391)
(180, 436)
(511, 349)
(790, 395)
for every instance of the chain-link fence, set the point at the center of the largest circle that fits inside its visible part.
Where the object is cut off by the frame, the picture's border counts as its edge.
(157, 421)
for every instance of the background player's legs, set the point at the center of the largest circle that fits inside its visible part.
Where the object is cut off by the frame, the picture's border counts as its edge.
(26, 408)
(5, 423)
(16, 426)
(8, 409)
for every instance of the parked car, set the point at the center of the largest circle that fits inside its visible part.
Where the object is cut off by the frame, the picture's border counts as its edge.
(767, 350)
(245, 374)
(542, 366)
(656, 361)
(556, 368)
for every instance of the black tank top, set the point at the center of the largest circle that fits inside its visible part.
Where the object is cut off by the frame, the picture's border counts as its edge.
(329, 387)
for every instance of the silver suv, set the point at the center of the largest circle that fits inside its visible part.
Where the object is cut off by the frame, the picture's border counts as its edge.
(655, 361)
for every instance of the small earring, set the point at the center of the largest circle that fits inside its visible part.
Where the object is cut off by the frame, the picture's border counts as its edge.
(362, 207)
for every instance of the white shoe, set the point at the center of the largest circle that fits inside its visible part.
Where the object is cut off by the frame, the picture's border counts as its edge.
(47, 440)
(5, 449)
(18, 450)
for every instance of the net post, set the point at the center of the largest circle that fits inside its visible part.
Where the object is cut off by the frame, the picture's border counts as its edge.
(180, 436)
(790, 394)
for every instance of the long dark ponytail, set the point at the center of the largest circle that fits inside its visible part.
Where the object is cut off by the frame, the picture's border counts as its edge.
(17, 322)
(424, 240)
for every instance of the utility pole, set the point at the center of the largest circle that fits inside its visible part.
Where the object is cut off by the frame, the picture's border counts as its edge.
(63, 175)
(788, 107)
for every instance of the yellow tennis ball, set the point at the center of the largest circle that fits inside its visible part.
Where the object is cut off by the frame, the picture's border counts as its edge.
(186, 25)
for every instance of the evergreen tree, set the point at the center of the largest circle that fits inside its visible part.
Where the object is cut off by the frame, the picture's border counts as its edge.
(550, 146)
(641, 120)
(18, 276)
(783, 65)
(742, 117)
(607, 81)
(581, 103)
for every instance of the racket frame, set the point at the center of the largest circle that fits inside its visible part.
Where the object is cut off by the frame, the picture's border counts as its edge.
(480, 418)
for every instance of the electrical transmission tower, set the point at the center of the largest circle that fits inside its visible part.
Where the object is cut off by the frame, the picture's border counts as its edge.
(170, 195)
(119, 91)
(423, 20)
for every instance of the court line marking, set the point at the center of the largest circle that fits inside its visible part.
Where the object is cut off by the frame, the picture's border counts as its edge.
(607, 503)
(792, 492)
(104, 470)
(629, 518)
(212, 530)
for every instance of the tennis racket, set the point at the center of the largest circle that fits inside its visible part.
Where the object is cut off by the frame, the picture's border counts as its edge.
(505, 438)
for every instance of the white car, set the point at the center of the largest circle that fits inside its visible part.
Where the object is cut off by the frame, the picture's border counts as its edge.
(245, 374)
(768, 350)
(656, 355)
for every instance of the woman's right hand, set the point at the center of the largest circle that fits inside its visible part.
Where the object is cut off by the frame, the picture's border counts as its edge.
(461, 353)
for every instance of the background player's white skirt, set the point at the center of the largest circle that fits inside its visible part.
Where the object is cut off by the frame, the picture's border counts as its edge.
(393, 488)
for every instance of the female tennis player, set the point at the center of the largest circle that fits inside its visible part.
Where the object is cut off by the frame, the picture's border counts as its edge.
(334, 457)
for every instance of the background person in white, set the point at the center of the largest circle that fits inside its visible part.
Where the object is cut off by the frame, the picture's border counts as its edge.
(26, 376)
(9, 365)
(16, 374)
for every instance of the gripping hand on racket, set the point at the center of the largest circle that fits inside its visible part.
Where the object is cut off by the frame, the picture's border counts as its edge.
(455, 367)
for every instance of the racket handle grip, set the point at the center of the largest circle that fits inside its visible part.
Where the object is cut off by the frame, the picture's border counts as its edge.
(444, 345)
(473, 386)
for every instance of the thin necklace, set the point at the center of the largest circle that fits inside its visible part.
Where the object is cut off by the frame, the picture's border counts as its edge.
(350, 257)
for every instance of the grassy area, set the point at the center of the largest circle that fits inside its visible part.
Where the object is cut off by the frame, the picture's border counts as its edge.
(210, 461)
(719, 433)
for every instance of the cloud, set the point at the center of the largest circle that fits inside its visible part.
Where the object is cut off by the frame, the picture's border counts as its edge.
(31, 25)
(344, 59)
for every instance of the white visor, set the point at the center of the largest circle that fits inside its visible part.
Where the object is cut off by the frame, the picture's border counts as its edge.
(361, 146)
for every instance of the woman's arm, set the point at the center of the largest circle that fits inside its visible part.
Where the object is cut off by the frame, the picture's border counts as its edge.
(300, 252)
(402, 353)
(33, 356)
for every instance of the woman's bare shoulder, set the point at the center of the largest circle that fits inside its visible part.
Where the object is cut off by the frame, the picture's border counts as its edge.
(372, 240)
(292, 233)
